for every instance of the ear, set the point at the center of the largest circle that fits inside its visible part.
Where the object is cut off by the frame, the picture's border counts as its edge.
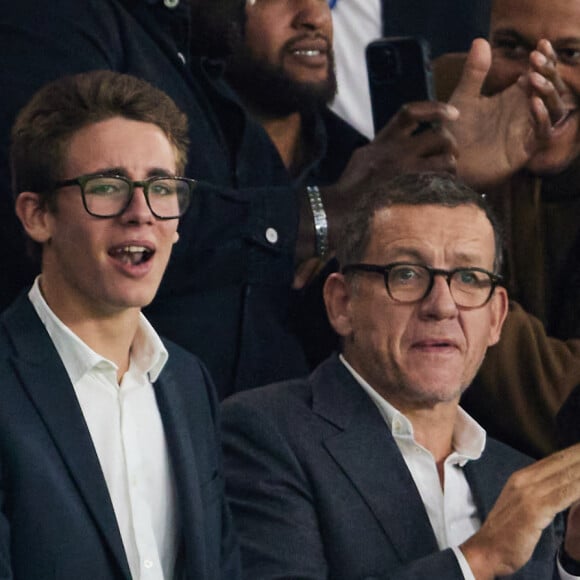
(34, 216)
(176, 237)
(499, 310)
(337, 294)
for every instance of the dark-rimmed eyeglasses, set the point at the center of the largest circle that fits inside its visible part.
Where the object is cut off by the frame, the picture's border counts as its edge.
(107, 196)
(407, 283)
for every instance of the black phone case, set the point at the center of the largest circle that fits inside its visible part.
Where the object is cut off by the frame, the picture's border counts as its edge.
(399, 72)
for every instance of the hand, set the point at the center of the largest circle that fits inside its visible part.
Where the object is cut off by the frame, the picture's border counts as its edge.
(528, 503)
(396, 149)
(545, 80)
(496, 135)
(547, 89)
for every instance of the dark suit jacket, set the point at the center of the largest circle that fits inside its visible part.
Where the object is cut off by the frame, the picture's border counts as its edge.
(56, 518)
(226, 284)
(319, 489)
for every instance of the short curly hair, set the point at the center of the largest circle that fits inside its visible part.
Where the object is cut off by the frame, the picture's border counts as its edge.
(45, 126)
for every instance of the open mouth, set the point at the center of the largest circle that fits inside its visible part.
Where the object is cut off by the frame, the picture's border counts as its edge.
(308, 52)
(564, 119)
(309, 47)
(132, 255)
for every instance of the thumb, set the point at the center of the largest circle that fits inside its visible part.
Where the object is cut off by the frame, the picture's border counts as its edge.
(475, 70)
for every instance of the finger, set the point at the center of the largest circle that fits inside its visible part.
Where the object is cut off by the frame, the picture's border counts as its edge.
(542, 118)
(552, 98)
(558, 492)
(475, 70)
(436, 141)
(411, 115)
(546, 67)
(562, 463)
(545, 47)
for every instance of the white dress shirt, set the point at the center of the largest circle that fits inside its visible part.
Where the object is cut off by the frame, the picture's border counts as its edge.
(127, 433)
(356, 23)
(452, 512)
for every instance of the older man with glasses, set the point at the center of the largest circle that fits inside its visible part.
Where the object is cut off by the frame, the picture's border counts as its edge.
(109, 451)
(369, 468)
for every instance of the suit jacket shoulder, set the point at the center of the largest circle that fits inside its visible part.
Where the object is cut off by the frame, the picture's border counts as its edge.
(52, 491)
(302, 460)
(319, 488)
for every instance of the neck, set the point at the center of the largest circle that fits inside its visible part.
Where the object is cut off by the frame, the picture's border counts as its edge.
(111, 337)
(110, 334)
(433, 428)
(286, 134)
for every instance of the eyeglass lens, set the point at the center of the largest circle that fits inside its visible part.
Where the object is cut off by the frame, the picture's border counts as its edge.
(108, 196)
(410, 283)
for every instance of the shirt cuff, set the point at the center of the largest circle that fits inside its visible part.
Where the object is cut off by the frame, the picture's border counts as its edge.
(562, 574)
(466, 569)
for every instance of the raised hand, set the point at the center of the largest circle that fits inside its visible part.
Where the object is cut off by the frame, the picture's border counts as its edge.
(416, 139)
(496, 135)
(528, 503)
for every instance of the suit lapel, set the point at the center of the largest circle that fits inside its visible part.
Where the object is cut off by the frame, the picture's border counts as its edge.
(177, 417)
(367, 453)
(488, 475)
(44, 378)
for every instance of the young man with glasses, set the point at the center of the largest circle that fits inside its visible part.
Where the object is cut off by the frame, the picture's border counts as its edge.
(109, 450)
(369, 467)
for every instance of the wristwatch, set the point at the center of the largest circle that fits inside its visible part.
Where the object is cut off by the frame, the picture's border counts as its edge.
(320, 221)
(569, 564)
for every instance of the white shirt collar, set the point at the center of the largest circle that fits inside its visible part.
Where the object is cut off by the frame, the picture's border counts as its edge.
(148, 354)
(468, 436)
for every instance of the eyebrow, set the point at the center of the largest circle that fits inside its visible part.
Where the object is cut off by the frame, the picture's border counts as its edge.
(463, 258)
(153, 172)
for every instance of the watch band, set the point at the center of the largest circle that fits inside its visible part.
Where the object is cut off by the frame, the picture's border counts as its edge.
(568, 563)
(320, 221)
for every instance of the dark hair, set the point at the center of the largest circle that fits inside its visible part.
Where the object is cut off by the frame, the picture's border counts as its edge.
(45, 126)
(428, 188)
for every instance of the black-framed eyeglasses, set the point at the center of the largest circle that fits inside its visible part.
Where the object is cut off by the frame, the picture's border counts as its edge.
(107, 196)
(407, 283)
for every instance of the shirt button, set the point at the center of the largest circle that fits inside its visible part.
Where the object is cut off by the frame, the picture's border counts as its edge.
(171, 3)
(272, 235)
(148, 564)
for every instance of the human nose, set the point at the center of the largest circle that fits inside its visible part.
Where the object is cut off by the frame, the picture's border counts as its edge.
(439, 302)
(312, 14)
(138, 210)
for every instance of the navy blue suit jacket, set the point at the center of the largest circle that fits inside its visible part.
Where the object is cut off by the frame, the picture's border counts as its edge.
(319, 489)
(56, 518)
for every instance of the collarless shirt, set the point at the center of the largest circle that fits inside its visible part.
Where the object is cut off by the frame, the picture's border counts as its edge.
(127, 432)
(452, 511)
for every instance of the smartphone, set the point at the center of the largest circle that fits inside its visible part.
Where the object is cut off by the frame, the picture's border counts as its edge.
(399, 71)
